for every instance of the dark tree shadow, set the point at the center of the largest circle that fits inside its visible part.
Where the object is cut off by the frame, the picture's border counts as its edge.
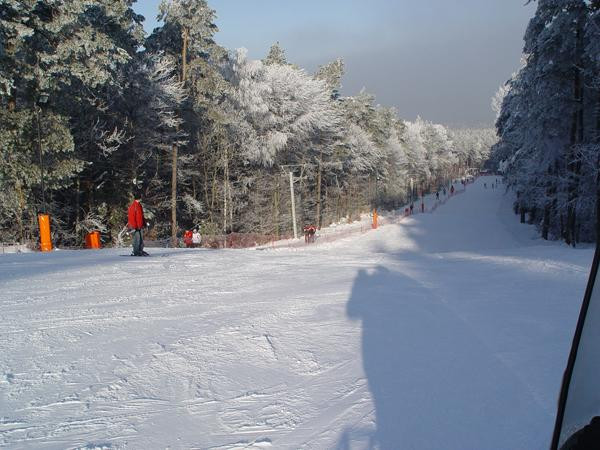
(433, 383)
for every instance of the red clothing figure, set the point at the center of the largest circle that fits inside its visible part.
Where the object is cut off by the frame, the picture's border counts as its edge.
(309, 233)
(135, 216)
(187, 238)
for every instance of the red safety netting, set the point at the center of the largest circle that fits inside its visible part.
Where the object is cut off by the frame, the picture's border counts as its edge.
(330, 234)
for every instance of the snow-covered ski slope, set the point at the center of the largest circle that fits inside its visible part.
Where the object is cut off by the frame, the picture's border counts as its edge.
(448, 331)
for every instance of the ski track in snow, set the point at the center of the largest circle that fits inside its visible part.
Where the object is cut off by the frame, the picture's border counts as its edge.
(450, 330)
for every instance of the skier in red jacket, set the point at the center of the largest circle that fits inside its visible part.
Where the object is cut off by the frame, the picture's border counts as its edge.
(135, 222)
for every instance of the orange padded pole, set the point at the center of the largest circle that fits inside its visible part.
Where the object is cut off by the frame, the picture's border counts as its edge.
(45, 238)
(92, 240)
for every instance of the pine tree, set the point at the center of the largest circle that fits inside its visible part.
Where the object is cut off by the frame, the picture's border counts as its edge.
(540, 125)
(332, 74)
(187, 35)
(276, 55)
(56, 57)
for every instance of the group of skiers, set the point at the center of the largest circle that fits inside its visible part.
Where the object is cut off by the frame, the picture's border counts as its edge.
(309, 233)
(192, 239)
(437, 193)
(494, 185)
(411, 208)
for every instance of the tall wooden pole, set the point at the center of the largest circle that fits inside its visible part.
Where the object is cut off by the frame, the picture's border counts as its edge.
(225, 190)
(319, 175)
(184, 36)
(293, 204)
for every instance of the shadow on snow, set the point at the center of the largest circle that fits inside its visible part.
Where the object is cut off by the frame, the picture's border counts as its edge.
(432, 381)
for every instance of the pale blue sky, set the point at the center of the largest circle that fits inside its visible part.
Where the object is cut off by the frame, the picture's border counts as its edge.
(440, 59)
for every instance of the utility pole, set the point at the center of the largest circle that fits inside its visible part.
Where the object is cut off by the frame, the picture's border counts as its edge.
(293, 204)
(288, 169)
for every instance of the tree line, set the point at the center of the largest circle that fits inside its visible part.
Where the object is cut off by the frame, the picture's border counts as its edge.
(93, 110)
(549, 122)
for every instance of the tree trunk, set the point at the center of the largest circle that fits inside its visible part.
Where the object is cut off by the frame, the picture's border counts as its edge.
(532, 215)
(206, 179)
(229, 190)
(319, 174)
(20, 211)
(184, 36)
(225, 194)
(326, 210)
(77, 186)
(174, 197)
(275, 226)
(546, 222)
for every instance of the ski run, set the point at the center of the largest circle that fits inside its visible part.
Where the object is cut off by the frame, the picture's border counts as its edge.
(448, 330)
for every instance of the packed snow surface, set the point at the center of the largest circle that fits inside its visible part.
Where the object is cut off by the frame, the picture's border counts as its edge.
(449, 330)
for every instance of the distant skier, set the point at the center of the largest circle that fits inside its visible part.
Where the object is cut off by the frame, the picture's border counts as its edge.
(309, 234)
(437, 195)
(452, 190)
(412, 206)
(196, 238)
(444, 191)
(135, 222)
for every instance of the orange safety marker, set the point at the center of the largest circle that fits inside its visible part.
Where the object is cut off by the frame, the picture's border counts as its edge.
(374, 225)
(45, 237)
(92, 240)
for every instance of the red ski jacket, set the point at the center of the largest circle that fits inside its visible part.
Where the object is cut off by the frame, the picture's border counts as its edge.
(135, 216)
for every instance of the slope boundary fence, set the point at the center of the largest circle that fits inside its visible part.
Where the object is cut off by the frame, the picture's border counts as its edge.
(357, 228)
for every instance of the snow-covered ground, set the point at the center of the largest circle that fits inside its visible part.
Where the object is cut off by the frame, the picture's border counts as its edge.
(450, 330)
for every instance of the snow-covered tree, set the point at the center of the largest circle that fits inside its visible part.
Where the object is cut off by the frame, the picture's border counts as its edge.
(546, 122)
(280, 108)
(187, 36)
(58, 60)
(332, 74)
(276, 55)
(498, 98)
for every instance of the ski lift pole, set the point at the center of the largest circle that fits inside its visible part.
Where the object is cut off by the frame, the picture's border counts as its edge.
(293, 204)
